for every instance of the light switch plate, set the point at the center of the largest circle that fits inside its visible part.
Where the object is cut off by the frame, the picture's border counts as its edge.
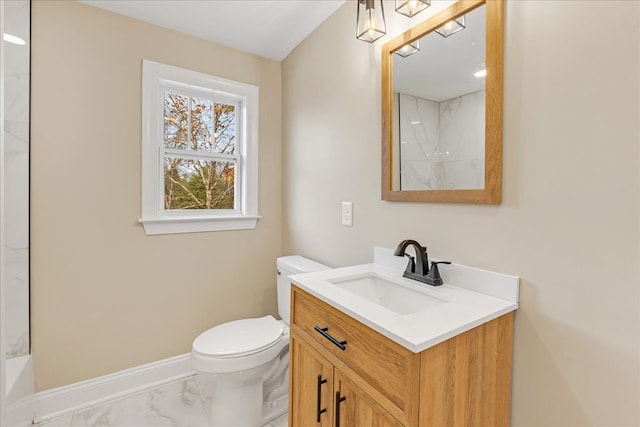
(347, 214)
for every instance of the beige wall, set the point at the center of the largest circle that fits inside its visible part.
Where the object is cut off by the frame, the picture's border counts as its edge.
(569, 221)
(104, 296)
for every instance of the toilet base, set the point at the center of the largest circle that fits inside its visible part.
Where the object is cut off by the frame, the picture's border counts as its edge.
(274, 409)
(235, 400)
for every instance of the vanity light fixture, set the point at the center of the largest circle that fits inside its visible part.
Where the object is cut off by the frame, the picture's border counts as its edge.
(411, 8)
(452, 27)
(408, 49)
(370, 24)
(10, 38)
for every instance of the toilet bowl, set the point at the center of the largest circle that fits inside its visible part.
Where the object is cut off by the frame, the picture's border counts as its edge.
(244, 364)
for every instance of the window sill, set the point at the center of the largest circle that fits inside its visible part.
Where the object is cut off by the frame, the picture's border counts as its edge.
(173, 225)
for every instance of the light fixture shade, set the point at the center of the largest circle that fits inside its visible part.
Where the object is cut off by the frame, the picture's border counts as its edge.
(411, 8)
(371, 25)
(452, 27)
(409, 49)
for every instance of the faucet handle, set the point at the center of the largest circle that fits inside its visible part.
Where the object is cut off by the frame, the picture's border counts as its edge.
(434, 273)
(439, 262)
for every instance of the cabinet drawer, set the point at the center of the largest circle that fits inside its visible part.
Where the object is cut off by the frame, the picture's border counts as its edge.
(390, 369)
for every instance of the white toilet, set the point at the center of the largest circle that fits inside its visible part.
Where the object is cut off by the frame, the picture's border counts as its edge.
(245, 363)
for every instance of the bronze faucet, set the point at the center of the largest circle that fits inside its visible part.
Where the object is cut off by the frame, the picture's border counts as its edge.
(418, 267)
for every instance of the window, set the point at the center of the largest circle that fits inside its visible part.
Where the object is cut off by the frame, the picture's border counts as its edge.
(199, 152)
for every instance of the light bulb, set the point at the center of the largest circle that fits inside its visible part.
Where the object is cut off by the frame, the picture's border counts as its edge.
(371, 19)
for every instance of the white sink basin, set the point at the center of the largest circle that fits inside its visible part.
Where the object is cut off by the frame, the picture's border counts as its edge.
(392, 295)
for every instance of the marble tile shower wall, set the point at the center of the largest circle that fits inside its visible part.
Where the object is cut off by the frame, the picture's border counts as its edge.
(174, 404)
(16, 179)
(442, 143)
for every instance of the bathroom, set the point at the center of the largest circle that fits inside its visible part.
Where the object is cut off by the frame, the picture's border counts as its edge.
(104, 297)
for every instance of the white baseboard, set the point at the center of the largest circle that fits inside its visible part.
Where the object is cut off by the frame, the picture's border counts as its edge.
(65, 400)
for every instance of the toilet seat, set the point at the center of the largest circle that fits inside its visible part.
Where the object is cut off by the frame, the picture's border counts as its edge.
(239, 345)
(239, 337)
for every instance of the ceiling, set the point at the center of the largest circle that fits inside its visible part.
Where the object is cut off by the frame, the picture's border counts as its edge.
(267, 28)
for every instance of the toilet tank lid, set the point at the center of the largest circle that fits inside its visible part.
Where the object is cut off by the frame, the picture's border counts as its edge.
(239, 337)
(299, 264)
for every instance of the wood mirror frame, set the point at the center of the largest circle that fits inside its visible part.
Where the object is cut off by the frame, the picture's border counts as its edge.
(492, 191)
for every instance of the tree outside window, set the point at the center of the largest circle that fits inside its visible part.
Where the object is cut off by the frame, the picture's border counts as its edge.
(200, 153)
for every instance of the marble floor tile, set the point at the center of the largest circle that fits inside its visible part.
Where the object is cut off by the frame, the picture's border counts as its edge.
(176, 404)
(281, 421)
(64, 421)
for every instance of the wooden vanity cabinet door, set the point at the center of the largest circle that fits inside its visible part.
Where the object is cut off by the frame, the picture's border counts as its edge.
(307, 368)
(356, 408)
(389, 372)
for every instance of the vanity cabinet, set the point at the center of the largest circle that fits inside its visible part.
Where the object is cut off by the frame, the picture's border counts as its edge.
(325, 397)
(343, 373)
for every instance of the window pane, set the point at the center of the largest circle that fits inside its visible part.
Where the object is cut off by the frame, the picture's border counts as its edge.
(201, 124)
(198, 184)
(225, 128)
(176, 120)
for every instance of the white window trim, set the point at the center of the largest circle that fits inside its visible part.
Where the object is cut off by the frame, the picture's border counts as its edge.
(155, 220)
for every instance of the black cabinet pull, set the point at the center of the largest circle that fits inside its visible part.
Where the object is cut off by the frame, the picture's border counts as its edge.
(323, 331)
(339, 399)
(323, 410)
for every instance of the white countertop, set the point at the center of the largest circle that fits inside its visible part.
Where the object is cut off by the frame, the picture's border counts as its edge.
(474, 297)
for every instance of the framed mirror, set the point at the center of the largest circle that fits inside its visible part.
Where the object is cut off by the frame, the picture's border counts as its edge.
(442, 107)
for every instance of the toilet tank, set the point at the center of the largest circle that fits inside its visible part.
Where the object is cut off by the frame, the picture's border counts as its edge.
(285, 267)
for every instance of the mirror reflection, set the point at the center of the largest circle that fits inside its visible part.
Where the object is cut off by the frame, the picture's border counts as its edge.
(438, 105)
(442, 107)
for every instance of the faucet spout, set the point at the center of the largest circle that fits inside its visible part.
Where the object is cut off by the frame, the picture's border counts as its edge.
(421, 266)
(419, 270)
